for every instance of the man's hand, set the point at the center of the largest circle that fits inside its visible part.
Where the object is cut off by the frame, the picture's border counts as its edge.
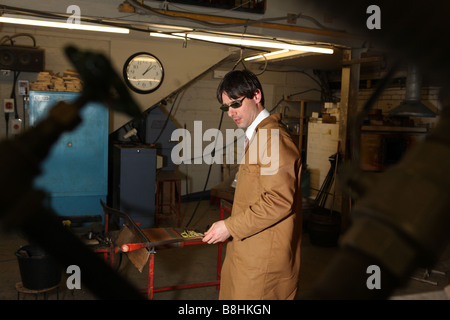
(217, 233)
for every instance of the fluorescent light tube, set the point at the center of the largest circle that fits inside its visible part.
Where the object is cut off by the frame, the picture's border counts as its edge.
(53, 24)
(163, 35)
(275, 53)
(252, 43)
(168, 28)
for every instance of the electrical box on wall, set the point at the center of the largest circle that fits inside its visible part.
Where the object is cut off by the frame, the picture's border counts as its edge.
(23, 87)
(8, 105)
(19, 58)
(15, 126)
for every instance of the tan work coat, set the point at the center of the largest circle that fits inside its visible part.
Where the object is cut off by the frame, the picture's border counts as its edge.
(263, 258)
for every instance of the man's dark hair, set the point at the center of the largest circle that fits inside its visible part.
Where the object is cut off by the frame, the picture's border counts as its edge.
(239, 83)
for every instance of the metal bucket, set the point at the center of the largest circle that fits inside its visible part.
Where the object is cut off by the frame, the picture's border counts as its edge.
(308, 207)
(324, 227)
(38, 270)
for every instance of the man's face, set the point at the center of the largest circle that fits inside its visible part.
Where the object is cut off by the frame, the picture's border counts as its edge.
(247, 112)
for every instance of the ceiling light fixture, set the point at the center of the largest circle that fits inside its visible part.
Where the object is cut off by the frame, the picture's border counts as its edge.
(53, 24)
(274, 55)
(167, 28)
(164, 35)
(244, 41)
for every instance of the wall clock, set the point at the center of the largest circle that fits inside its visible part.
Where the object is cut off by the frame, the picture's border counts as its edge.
(143, 72)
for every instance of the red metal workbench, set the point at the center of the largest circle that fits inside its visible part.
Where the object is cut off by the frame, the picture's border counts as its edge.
(141, 244)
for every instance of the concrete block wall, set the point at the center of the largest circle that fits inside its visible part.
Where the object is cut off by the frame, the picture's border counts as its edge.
(323, 140)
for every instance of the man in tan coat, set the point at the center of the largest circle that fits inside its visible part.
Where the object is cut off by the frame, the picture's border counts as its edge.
(263, 259)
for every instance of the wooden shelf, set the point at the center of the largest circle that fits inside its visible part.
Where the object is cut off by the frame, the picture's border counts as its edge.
(394, 129)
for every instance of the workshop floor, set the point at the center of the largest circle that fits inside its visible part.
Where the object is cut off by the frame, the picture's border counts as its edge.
(198, 263)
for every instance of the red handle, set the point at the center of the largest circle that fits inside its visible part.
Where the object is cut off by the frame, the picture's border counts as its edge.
(132, 246)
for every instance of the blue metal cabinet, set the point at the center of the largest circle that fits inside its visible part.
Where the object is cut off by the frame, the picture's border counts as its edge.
(75, 174)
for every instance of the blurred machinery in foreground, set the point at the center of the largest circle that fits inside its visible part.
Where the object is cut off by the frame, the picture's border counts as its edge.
(26, 210)
(400, 221)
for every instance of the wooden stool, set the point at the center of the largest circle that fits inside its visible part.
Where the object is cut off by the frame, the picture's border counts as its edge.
(21, 289)
(168, 181)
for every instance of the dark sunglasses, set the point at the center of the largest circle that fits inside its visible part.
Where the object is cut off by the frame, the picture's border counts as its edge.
(235, 104)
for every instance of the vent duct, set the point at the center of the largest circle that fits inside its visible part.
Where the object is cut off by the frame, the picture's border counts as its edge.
(412, 105)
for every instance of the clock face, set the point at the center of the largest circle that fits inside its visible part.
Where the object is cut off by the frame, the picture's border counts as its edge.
(143, 72)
